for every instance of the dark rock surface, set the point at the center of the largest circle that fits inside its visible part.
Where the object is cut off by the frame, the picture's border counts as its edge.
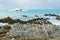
(58, 17)
(4, 30)
(51, 15)
(32, 21)
(36, 15)
(7, 28)
(24, 15)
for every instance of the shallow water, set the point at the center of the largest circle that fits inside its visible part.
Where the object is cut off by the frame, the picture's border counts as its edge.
(30, 14)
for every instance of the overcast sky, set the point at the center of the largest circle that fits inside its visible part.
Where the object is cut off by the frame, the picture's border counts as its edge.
(30, 4)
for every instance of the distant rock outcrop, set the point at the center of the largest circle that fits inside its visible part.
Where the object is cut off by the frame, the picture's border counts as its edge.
(16, 9)
(36, 15)
(51, 15)
(24, 15)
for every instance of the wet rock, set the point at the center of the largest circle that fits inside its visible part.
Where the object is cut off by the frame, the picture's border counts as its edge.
(50, 15)
(39, 21)
(58, 17)
(36, 15)
(47, 18)
(32, 21)
(24, 15)
(7, 28)
(7, 20)
(2, 30)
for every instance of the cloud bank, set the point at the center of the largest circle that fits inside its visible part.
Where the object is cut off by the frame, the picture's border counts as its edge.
(30, 4)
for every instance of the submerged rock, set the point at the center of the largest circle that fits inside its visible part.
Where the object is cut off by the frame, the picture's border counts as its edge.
(36, 15)
(24, 15)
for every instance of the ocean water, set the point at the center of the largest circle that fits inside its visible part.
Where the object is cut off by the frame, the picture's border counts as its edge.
(30, 14)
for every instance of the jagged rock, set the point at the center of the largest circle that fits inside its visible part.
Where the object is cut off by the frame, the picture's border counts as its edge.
(7, 20)
(2, 30)
(32, 21)
(34, 30)
(7, 28)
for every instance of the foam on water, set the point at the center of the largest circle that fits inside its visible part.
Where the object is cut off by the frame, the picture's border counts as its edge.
(29, 13)
(55, 22)
(3, 24)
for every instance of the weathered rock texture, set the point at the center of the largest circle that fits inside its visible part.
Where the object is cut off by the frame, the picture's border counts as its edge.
(34, 31)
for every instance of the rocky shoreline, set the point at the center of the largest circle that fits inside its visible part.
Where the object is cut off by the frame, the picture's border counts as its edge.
(30, 32)
(57, 16)
(32, 21)
(34, 29)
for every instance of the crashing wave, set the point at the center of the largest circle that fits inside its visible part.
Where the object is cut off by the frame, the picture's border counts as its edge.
(19, 9)
(16, 9)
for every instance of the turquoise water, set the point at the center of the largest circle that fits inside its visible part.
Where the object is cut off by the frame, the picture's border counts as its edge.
(30, 13)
